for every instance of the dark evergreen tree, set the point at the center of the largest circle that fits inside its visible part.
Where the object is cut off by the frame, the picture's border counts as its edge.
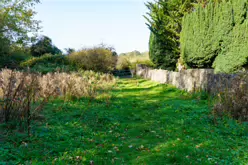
(44, 46)
(164, 21)
(216, 36)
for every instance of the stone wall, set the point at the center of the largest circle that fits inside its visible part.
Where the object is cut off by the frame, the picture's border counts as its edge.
(189, 80)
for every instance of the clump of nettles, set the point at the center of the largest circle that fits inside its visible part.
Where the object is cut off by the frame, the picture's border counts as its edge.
(24, 94)
(233, 101)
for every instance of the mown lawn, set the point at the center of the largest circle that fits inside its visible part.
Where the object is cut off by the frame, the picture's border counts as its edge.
(144, 123)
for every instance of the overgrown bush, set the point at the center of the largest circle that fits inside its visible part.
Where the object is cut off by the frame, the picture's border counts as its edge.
(123, 63)
(216, 36)
(13, 59)
(46, 58)
(147, 63)
(48, 63)
(130, 61)
(233, 101)
(99, 59)
(43, 46)
(24, 94)
(50, 68)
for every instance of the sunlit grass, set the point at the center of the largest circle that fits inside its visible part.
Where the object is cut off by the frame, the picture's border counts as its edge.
(143, 123)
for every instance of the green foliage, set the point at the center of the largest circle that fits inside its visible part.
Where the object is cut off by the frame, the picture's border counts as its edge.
(99, 59)
(11, 55)
(123, 63)
(17, 20)
(162, 55)
(216, 36)
(4, 46)
(131, 59)
(47, 58)
(164, 21)
(45, 68)
(43, 46)
(145, 123)
(145, 62)
(13, 59)
(48, 63)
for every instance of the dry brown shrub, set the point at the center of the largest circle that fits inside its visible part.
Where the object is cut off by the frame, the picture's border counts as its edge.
(20, 91)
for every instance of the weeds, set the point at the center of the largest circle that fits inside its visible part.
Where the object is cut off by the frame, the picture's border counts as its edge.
(24, 94)
(19, 91)
(232, 101)
(147, 123)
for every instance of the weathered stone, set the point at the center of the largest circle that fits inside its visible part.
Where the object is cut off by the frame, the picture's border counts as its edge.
(189, 80)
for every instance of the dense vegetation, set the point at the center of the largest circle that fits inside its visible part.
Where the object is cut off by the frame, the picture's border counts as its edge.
(99, 59)
(67, 108)
(47, 63)
(23, 95)
(144, 123)
(16, 21)
(164, 21)
(131, 59)
(216, 36)
(211, 36)
(43, 46)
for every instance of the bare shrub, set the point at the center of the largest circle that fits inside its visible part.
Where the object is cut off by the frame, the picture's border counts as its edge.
(24, 94)
(233, 99)
(18, 92)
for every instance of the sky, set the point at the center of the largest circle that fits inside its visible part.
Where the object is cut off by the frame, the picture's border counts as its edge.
(86, 23)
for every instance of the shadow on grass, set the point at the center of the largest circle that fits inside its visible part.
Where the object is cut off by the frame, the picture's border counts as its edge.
(146, 123)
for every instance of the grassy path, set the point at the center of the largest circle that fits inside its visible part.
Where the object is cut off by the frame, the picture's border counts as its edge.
(145, 123)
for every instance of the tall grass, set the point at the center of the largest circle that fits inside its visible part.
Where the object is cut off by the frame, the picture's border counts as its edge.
(23, 95)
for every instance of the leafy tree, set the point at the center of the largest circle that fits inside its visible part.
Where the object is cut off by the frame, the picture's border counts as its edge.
(43, 46)
(16, 21)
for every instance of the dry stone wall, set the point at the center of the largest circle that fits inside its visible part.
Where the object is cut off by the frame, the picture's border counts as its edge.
(189, 80)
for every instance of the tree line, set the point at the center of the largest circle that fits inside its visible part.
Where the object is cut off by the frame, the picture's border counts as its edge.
(21, 46)
(180, 28)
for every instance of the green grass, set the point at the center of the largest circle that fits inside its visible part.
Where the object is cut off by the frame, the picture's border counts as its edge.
(146, 123)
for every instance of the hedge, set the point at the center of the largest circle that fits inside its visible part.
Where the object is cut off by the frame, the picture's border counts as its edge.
(216, 36)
